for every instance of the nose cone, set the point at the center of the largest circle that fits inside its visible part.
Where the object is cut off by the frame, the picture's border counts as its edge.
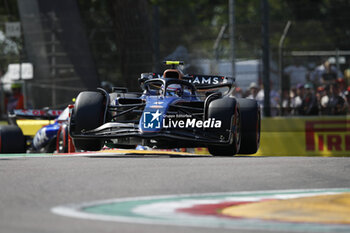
(154, 113)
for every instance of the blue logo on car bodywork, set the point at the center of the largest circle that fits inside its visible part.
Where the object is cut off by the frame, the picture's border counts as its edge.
(152, 120)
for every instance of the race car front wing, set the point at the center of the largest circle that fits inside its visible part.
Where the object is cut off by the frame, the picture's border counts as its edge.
(192, 137)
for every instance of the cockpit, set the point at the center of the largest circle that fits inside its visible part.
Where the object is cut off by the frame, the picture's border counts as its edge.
(170, 87)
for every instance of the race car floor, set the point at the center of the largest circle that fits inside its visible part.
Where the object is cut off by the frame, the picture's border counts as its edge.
(40, 194)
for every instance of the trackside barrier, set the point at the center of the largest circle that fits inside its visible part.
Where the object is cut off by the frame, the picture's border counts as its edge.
(303, 136)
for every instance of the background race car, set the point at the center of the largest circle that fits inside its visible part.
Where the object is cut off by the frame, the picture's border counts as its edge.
(174, 111)
(35, 131)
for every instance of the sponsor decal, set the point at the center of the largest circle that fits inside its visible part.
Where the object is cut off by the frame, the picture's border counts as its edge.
(191, 123)
(198, 79)
(35, 112)
(40, 138)
(152, 120)
(156, 120)
(205, 80)
(156, 106)
(332, 135)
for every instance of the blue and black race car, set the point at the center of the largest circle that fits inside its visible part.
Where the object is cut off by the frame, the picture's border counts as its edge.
(173, 111)
(31, 130)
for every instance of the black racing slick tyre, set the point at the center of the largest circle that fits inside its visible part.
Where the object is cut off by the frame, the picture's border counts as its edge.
(88, 114)
(251, 123)
(12, 139)
(228, 111)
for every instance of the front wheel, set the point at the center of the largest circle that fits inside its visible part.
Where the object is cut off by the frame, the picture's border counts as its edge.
(234, 146)
(88, 114)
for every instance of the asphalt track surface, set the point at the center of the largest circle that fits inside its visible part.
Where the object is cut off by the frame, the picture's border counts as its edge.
(30, 187)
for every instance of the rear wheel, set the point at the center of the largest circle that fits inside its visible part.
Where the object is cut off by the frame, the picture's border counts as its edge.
(88, 114)
(12, 139)
(251, 123)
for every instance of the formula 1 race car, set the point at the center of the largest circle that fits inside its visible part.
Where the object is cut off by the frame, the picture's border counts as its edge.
(173, 111)
(32, 130)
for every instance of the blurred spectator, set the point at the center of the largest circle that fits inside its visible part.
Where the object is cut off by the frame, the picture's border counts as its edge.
(324, 99)
(297, 74)
(238, 92)
(342, 87)
(325, 74)
(347, 75)
(309, 105)
(297, 100)
(333, 103)
(292, 94)
(321, 91)
(286, 103)
(347, 98)
(253, 91)
(15, 99)
(274, 99)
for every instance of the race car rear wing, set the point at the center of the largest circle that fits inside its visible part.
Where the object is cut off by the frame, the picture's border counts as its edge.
(45, 114)
(41, 114)
(199, 81)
